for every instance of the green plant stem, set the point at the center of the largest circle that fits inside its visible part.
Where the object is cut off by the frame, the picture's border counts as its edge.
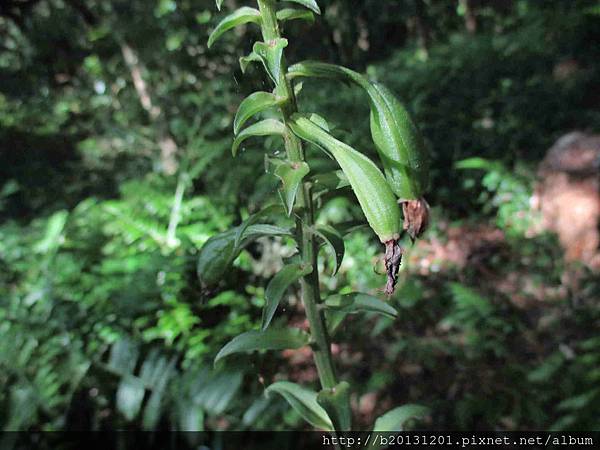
(311, 296)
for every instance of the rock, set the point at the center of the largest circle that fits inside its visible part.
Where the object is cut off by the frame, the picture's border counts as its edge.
(567, 195)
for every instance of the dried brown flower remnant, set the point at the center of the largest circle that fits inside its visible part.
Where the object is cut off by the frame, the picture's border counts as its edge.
(393, 258)
(416, 216)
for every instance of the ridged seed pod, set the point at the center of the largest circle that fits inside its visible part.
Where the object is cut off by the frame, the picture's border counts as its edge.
(370, 187)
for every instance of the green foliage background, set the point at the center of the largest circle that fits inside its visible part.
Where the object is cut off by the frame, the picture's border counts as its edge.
(103, 322)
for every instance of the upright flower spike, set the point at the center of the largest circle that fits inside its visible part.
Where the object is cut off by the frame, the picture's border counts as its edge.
(330, 408)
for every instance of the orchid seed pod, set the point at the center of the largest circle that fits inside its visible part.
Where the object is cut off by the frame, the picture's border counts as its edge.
(368, 183)
(398, 141)
(397, 138)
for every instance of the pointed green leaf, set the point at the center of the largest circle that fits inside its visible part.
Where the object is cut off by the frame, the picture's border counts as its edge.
(291, 174)
(316, 69)
(263, 128)
(245, 60)
(241, 16)
(336, 402)
(253, 104)
(277, 287)
(219, 4)
(263, 229)
(357, 302)
(219, 252)
(252, 219)
(273, 339)
(304, 401)
(310, 4)
(334, 240)
(294, 14)
(270, 54)
(395, 419)
(216, 257)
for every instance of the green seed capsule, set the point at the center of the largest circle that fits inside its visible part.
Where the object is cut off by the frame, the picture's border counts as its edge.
(372, 191)
(397, 138)
(399, 143)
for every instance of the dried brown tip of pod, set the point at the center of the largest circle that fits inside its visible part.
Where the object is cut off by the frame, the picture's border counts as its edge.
(393, 258)
(416, 217)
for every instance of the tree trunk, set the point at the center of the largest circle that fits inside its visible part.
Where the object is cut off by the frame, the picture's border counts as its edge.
(166, 143)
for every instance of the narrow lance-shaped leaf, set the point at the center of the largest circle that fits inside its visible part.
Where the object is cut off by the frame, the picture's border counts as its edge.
(254, 218)
(294, 14)
(272, 339)
(219, 252)
(304, 402)
(263, 229)
(334, 240)
(263, 128)
(357, 302)
(240, 16)
(219, 4)
(372, 191)
(253, 104)
(215, 257)
(270, 54)
(291, 174)
(277, 287)
(336, 402)
(310, 4)
(316, 69)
